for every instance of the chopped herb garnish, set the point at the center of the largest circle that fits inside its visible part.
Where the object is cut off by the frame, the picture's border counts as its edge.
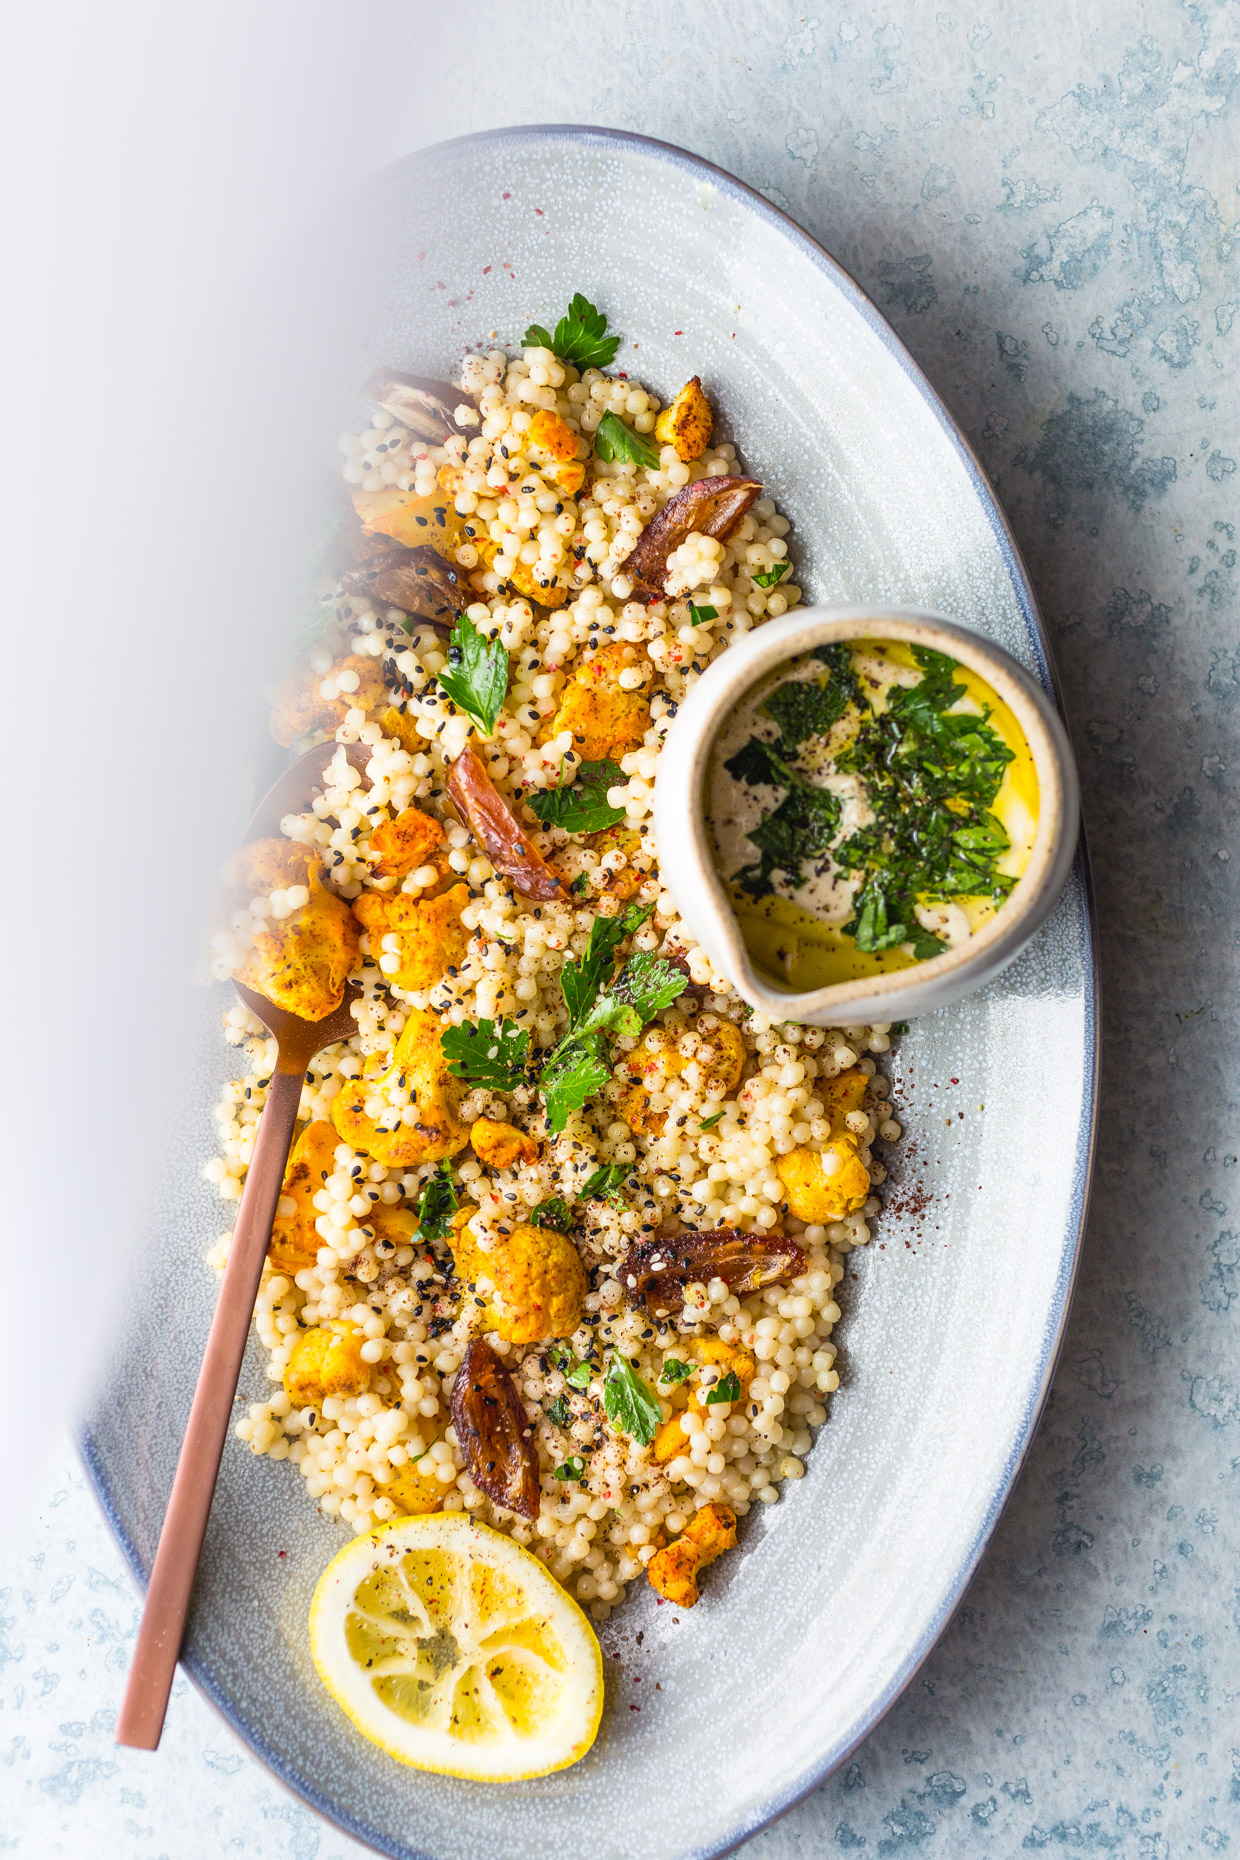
(708, 1123)
(487, 1054)
(559, 1412)
(438, 1204)
(767, 577)
(578, 337)
(476, 675)
(900, 1026)
(929, 778)
(579, 885)
(674, 1371)
(605, 1183)
(554, 1212)
(574, 1467)
(649, 983)
(583, 807)
(629, 1403)
(615, 440)
(698, 616)
(728, 1388)
(577, 1375)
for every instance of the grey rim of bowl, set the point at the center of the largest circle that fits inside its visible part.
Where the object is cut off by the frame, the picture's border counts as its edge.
(194, 1664)
(929, 984)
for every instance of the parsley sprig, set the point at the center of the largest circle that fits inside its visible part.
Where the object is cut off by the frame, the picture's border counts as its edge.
(582, 807)
(698, 616)
(476, 675)
(614, 440)
(486, 1054)
(579, 336)
(580, 1065)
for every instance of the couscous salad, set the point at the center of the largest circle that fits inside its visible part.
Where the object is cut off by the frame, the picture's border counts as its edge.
(561, 1232)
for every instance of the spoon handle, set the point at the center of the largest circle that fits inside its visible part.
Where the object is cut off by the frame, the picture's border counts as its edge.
(185, 1521)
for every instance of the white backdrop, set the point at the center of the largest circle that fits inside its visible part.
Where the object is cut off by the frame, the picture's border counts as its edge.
(158, 370)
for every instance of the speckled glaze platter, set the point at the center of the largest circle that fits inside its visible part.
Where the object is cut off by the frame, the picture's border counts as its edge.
(719, 1719)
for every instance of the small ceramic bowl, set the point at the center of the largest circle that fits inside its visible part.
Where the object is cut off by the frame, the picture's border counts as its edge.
(684, 844)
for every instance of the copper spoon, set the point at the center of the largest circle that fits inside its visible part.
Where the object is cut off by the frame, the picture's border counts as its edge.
(185, 1521)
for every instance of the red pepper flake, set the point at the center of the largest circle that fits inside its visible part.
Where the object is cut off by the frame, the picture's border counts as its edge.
(505, 196)
(281, 1552)
(634, 1707)
(539, 212)
(955, 1081)
(678, 332)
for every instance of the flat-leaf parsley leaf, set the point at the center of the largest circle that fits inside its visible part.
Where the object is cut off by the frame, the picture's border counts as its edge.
(578, 337)
(487, 1054)
(476, 675)
(615, 440)
(630, 1404)
(698, 616)
(728, 1388)
(583, 807)
(574, 1467)
(674, 1371)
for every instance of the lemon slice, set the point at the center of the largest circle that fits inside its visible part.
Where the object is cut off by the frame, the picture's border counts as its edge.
(451, 1647)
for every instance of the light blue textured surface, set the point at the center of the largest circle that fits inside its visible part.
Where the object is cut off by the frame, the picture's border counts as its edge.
(1044, 207)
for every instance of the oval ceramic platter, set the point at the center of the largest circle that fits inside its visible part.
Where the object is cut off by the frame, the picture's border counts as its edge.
(721, 1718)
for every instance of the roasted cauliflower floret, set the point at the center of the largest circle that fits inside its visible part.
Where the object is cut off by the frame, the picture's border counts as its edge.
(300, 704)
(553, 436)
(605, 717)
(395, 1224)
(829, 1186)
(400, 846)
(674, 1570)
(415, 1488)
(295, 1241)
(409, 1114)
(302, 960)
(401, 725)
(710, 1056)
(501, 1145)
(428, 931)
(724, 1359)
(686, 424)
(326, 1361)
(418, 522)
(532, 1278)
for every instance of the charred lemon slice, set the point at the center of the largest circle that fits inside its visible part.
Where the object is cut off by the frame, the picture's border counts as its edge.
(451, 1647)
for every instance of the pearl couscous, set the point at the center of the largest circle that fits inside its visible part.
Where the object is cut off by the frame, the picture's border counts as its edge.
(708, 1120)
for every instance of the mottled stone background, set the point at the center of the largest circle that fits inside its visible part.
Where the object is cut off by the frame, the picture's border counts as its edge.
(1044, 202)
